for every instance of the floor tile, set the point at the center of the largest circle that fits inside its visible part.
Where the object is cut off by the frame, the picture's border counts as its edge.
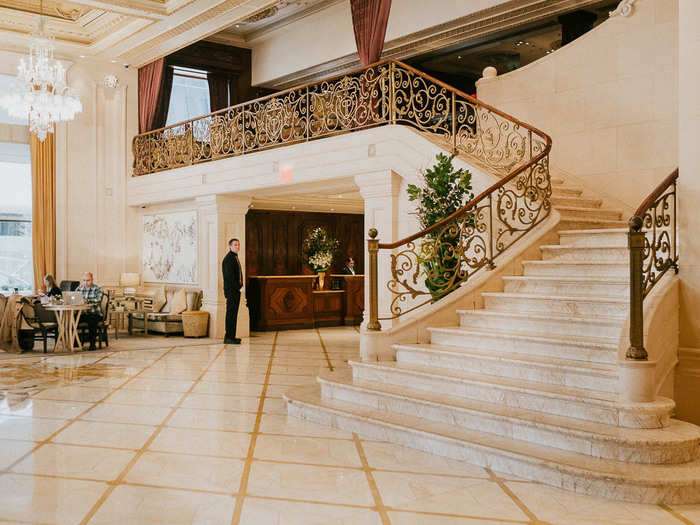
(213, 420)
(47, 500)
(204, 442)
(28, 428)
(389, 456)
(45, 408)
(100, 434)
(560, 506)
(449, 495)
(114, 413)
(133, 504)
(75, 461)
(158, 385)
(269, 512)
(73, 393)
(410, 518)
(215, 402)
(187, 472)
(310, 483)
(283, 424)
(235, 389)
(314, 450)
(140, 397)
(11, 451)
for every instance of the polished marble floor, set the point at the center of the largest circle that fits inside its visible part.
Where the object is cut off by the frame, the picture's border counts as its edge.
(177, 431)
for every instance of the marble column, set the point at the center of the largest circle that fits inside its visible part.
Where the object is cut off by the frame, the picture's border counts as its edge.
(380, 191)
(221, 217)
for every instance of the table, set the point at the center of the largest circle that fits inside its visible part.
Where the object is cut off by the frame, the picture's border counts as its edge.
(67, 318)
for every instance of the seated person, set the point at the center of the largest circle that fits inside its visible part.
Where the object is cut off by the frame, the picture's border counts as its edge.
(50, 286)
(93, 296)
(349, 268)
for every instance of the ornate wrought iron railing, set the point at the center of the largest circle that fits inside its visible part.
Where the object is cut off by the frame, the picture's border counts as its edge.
(653, 246)
(388, 92)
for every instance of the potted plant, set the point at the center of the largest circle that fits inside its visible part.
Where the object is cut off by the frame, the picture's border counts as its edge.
(444, 191)
(319, 249)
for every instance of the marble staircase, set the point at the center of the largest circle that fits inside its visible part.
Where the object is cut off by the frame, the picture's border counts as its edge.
(528, 385)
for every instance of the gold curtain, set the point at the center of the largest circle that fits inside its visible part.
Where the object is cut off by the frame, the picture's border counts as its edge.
(43, 207)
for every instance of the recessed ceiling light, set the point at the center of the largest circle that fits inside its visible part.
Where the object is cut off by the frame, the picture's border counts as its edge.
(114, 61)
(238, 25)
(340, 195)
(332, 209)
(82, 56)
(459, 57)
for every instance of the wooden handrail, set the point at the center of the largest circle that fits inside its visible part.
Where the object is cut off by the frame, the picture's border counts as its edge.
(656, 193)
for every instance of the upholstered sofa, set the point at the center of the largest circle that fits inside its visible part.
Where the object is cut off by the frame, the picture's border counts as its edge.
(164, 320)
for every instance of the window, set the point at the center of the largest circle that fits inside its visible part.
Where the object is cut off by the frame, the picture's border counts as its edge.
(16, 266)
(5, 118)
(189, 97)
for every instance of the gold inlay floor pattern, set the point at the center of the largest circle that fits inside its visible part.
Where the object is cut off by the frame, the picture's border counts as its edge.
(157, 430)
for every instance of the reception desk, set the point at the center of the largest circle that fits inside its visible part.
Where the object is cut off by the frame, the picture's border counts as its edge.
(283, 302)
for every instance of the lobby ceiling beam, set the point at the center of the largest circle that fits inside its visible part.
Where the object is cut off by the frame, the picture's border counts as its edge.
(193, 22)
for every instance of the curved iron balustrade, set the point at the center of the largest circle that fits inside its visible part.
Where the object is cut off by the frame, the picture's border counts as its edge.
(435, 261)
(653, 245)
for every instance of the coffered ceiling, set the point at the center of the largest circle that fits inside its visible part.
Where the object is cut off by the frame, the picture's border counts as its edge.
(134, 31)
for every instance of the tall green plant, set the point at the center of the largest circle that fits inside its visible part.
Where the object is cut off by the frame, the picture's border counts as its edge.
(444, 191)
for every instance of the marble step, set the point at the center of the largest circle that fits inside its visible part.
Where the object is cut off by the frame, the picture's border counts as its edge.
(574, 212)
(552, 325)
(601, 407)
(557, 304)
(510, 339)
(677, 443)
(592, 287)
(614, 270)
(576, 201)
(615, 237)
(564, 252)
(563, 469)
(566, 191)
(517, 365)
(585, 223)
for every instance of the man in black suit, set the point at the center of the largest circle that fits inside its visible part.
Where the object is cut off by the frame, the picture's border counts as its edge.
(349, 268)
(233, 283)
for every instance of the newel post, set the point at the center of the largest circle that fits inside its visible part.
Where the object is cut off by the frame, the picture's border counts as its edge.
(373, 249)
(635, 242)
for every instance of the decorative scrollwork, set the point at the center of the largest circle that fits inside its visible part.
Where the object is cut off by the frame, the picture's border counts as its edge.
(659, 252)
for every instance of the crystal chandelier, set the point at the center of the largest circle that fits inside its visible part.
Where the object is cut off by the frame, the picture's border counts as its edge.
(40, 90)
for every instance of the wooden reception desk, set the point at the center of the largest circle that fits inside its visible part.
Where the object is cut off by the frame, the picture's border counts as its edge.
(281, 302)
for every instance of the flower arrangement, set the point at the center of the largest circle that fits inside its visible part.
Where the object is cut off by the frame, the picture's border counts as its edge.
(319, 249)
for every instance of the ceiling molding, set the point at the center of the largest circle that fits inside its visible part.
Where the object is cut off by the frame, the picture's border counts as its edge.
(508, 15)
(320, 6)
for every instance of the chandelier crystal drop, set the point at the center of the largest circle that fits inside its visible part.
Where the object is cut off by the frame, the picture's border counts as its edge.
(40, 90)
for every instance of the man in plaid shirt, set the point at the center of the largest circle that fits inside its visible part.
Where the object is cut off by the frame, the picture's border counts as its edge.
(93, 296)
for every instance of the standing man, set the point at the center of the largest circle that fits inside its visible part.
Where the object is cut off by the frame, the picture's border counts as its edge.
(93, 296)
(233, 284)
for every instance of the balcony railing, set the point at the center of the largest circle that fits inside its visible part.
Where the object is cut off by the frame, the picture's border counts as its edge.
(388, 92)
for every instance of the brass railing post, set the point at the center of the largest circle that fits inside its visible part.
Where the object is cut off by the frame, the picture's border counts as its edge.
(635, 242)
(454, 124)
(373, 249)
(392, 94)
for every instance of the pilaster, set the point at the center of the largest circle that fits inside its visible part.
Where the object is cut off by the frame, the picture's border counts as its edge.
(221, 217)
(380, 191)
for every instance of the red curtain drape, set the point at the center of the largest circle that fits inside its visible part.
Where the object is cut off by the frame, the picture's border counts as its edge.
(218, 91)
(155, 85)
(369, 19)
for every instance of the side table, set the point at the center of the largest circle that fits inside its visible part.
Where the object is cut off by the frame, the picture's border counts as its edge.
(195, 323)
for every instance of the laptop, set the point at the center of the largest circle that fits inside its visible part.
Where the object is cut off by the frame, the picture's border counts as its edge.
(73, 298)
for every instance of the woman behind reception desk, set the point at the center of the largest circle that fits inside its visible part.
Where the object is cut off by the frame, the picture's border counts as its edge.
(282, 302)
